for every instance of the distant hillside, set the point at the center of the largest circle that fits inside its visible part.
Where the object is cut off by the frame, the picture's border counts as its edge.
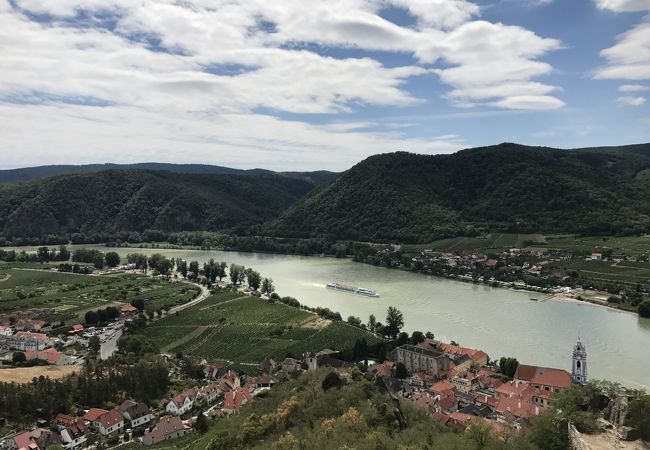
(31, 173)
(417, 198)
(136, 200)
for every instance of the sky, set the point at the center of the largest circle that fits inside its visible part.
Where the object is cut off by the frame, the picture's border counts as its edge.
(315, 84)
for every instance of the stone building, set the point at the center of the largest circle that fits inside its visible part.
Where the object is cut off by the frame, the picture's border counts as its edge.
(417, 359)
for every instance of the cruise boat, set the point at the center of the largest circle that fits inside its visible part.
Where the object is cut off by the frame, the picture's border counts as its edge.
(353, 290)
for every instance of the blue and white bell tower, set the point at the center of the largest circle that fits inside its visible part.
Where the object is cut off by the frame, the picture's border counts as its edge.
(579, 363)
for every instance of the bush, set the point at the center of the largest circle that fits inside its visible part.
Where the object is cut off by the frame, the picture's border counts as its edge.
(644, 308)
(332, 380)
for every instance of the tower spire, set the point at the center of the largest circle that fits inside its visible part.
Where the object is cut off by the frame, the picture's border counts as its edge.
(579, 363)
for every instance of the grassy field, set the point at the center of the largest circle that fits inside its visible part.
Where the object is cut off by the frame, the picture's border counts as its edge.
(245, 329)
(631, 245)
(71, 295)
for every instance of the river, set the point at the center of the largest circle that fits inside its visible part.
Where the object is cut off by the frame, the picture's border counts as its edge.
(502, 322)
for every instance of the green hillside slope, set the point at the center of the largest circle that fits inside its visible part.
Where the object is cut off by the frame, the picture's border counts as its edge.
(513, 188)
(119, 200)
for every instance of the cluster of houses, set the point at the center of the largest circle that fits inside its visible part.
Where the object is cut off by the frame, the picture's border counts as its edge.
(456, 385)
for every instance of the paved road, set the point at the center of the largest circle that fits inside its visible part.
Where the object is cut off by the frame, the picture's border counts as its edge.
(205, 292)
(109, 346)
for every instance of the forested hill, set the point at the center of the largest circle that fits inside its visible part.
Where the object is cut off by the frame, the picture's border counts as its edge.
(416, 198)
(136, 200)
(32, 173)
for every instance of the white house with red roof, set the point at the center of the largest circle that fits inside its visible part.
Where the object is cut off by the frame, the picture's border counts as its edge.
(182, 403)
(109, 423)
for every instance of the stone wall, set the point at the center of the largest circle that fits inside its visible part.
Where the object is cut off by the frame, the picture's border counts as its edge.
(575, 439)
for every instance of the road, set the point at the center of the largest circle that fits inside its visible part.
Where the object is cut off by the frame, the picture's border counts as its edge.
(109, 346)
(205, 292)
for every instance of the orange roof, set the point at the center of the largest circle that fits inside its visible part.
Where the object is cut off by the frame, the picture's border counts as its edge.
(110, 418)
(455, 349)
(93, 414)
(27, 334)
(50, 355)
(461, 418)
(546, 376)
(442, 386)
(235, 398)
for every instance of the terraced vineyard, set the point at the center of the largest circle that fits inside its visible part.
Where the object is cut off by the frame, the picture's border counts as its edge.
(228, 326)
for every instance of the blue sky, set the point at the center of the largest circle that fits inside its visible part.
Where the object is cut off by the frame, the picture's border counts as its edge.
(300, 85)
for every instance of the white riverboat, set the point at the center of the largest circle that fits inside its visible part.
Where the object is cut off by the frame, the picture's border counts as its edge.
(353, 290)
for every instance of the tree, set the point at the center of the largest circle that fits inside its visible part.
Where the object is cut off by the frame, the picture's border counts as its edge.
(267, 286)
(91, 317)
(644, 308)
(236, 274)
(254, 279)
(221, 270)
(402, 339)
(417, 337)
(112, 259)
(94, 345)
(394, 321)
(400, 371)
(138, 303)
(18, 358)
(201, 424)
(508, 366)
(98, 260)
(354, 321)
(43, 254)
(331, 380)
(479, 434)
(139, 259)
(638, 415)
(372, 323)
(194, 267)
(182, 268)
(548, 432)
(222, 441)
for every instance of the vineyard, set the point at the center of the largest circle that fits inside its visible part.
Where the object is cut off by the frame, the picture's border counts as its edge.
(245, 329)
(70, 295)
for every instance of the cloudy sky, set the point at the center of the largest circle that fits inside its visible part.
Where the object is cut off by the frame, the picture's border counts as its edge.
(302, 84)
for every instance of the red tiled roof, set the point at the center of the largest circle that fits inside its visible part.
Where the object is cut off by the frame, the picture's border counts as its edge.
(442, 386)
(165, 427)
(110, 418)
(50, 355)
(235, 398)
(93, 414)
(543, 375)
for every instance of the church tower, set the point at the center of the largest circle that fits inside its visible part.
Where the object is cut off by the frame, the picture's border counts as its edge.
(579, 363)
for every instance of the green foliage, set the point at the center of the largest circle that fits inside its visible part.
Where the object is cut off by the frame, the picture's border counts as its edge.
(331, 380)
(18, 358)
(644, 308)
(137, 344)
(505, 188)
(508, 366)
(400, 371)
(394, 322)
(94, 345)
(638, 415)
(134, 201)
(112, 259)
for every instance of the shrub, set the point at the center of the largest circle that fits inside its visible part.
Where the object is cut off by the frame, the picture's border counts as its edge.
(644, 308)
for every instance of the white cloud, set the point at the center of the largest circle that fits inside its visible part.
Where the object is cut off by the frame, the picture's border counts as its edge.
(631, 101)
(219, 62)
(629, 59)
(633, 88)
(624, 5)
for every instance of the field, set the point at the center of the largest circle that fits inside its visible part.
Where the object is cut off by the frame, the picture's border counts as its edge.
(605, 271)
(25, 374)
(631, 245)
(492, 241)
(69, 296)
(243, 329)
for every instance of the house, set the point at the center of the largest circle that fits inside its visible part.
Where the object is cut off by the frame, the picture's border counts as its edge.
(182, 403)
(25, 340)
(52, 356)
(235, 399)
(93, 414)
(73, 431)
(110, 423)
(76, 329)
(37, 439)
(291, 365)
(128, 310)
(5, 331)
(479, 358)
(596, 256)
(137, 413)
(267, 366)
(465, 381)
(209, 392)
(213, 371)
(515, 401)
(384, 369)
(261, 382)
(543, 378)
(168, 428)
(418, 359)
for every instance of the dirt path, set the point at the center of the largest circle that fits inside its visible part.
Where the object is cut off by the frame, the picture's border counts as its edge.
(5, 277)
(205, 293)
(188, 337)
